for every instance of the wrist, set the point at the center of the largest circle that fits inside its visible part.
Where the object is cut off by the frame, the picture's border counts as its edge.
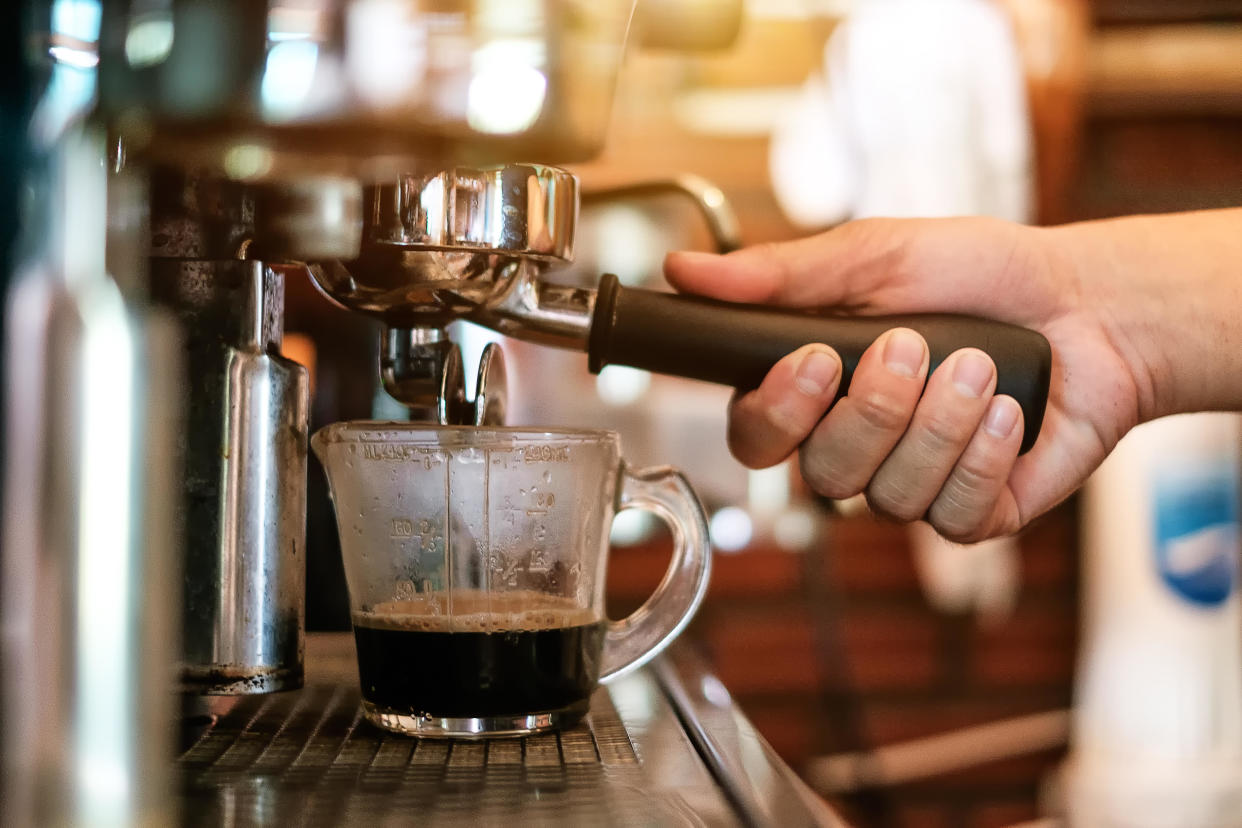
(1162, 292)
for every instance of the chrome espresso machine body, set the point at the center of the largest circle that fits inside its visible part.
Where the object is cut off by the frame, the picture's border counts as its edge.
(207, 151)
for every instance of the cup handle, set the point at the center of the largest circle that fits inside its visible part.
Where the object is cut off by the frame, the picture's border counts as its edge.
(635, 640)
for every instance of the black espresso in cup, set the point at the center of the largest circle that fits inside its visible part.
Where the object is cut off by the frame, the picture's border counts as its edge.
(476, 558)
(479, 655)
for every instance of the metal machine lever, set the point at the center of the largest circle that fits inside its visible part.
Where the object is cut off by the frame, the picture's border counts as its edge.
(706, 197)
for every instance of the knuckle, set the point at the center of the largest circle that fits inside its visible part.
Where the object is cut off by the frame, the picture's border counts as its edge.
(744, 443)
(976, 475)
(762, 433)
(770, 251)
(831, 488)
(956, 518)
(965, 501)
(893, 500)
(748, 450)
(882, 412)
(789, 424)
(775, 256)
(941, 433)
(823, 476)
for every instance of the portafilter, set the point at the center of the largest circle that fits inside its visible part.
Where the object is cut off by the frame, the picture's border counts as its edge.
(473, 243)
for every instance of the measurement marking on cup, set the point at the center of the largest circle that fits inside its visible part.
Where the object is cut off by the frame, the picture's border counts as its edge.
(395, 452)
(547, 454)
(387, 451)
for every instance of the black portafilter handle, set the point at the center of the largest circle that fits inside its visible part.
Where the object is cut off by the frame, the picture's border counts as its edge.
(736, 345)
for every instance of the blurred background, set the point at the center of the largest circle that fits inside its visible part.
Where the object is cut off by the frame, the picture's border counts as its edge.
(836, 633)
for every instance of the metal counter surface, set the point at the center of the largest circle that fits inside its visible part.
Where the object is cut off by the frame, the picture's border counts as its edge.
(663, 746)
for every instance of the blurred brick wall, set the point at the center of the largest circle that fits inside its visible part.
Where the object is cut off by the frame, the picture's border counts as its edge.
(837, 650)
(1159, 164)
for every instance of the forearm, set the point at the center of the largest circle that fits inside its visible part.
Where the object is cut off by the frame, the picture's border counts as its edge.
(1167, 291)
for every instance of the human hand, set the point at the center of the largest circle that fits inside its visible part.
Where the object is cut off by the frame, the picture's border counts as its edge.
(950, 455)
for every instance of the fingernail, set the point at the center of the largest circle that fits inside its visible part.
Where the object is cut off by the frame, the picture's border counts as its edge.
(1002, 417)
(903, 352)
(972, 374)
(815, 373)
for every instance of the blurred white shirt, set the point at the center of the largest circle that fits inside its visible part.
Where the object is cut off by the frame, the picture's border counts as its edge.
(920, 110)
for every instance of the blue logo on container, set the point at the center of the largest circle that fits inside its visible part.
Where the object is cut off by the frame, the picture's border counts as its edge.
(1196, 517)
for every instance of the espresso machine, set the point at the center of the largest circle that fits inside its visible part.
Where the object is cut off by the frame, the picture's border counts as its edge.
(400, 154)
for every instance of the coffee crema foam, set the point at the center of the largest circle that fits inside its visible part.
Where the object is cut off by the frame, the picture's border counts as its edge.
(477, 611)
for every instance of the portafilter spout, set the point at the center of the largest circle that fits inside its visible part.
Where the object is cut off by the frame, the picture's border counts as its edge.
(472, 244)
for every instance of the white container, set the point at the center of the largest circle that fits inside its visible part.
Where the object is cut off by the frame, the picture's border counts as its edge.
(1158, 717)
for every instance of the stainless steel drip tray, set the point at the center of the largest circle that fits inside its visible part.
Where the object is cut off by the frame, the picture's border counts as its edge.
(643, 756)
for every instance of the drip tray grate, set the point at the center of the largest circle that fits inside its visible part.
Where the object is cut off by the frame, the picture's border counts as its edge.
(308, 758)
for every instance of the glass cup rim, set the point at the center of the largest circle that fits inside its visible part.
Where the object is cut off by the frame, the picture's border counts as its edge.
(402, 431)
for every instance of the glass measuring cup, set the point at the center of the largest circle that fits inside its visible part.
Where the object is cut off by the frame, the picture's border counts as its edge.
(475, 559)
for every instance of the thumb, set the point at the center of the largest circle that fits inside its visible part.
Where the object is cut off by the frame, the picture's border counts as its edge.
(843, 268)
(874, 266)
